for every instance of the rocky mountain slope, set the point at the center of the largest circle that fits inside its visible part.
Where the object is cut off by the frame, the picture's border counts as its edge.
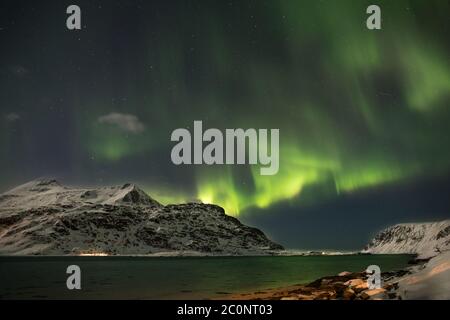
(425, 239)
(44, 217)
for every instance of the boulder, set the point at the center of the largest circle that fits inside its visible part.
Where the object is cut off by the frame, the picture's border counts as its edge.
(325, 295)
(374, 294)
(354, 282)
(348, 294)
(361, 287)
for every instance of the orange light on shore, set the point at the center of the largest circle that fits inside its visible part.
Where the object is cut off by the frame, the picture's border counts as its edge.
(93, 254)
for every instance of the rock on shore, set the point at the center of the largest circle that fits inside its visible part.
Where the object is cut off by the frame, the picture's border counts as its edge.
(345, 286)
(429, 278)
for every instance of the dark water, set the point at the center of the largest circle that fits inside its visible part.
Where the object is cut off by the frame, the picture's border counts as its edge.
(172, 278)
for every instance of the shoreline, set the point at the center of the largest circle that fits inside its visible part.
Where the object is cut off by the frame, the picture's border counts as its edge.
(344, 286)
(196, 254)
(298, 286)
(424, 279)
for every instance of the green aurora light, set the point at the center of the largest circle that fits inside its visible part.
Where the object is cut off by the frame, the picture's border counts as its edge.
(322, 86)
(356, 108)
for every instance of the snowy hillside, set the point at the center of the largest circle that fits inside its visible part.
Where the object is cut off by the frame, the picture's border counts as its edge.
(425, 239)
(44, 217)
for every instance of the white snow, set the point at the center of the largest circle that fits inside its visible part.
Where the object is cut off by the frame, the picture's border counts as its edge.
(44, 217)
(424, 239)
(429, 281)
(40, 193)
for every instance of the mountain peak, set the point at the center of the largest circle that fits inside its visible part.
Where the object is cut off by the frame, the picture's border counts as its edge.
(47, 182)
(119, 219)
(45, 192)
(37, 185)
(130, 193)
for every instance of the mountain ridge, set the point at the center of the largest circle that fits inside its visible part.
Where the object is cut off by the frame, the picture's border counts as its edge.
(43, 217)
(426, 239)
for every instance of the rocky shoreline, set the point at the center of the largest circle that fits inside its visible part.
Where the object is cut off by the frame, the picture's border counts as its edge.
(423, 280)
(344, 286)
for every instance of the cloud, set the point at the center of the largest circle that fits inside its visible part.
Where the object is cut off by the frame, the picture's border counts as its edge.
(127, 122)
(12, 117)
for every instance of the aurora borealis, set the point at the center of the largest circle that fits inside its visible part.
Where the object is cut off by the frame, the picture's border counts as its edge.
(360, 112)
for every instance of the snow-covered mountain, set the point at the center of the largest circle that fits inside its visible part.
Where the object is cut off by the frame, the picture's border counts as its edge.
(44, 217)
(425, 239)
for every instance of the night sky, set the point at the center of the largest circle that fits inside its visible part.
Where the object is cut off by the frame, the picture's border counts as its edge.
(364, 116)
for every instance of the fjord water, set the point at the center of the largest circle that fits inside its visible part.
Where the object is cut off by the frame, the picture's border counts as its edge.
(174, 277)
